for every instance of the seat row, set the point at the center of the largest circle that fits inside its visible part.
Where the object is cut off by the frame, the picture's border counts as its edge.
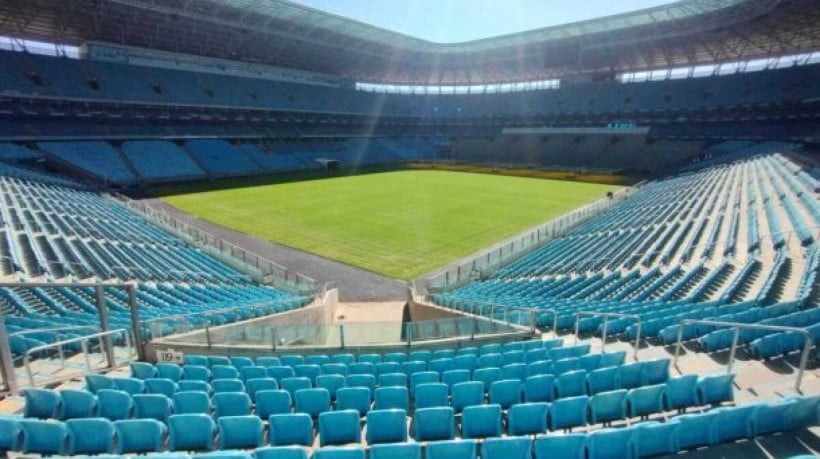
(387, 429)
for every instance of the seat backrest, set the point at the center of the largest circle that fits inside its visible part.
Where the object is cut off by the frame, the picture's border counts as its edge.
(308, 371)
(354, 398)
(466, 394)
(196, 373)
(164, 386)
(131, 385)
(571, 384)
(255, 372)
(339, 427)
(431, 424)
(279, 373)
(453, 449)
(681, 392)
(716, 389)
(392, 397)
(431, 394)
(90, 436)
(201, 386)
(77, 404)
(506, 392)
(480, 421)
(566, 413)
(152, 406)
(239, 432)
(646, 400)
(114, 404)
(527, 418)
(42, 403)
(139, 436)
(227, 385)
(346, 359)
(317, 359)
(272, 401)
(43, 437)
(608, 406)
(507, 448)
(254, 385)
(214, 360)
(196, 360)
(655, 371)
(396, 451)
(630, 375)
(386, 426)
(268, 361)
(169, 371)
(241, 362)
(312, 401)
(568, 446)
(423, 377)
(224, 372)
(392, 379)
(291, 360)
(609, 444)
(295, 384)
(231, 404)
(280, 452)
(487, 376)
(334, 369)
(192, 402)
(653, 438)
(291, 429)
(93, 383)
(191, 432)
(602, 380)
(142, 370)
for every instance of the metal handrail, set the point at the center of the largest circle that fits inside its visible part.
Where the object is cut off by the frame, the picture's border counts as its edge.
(606, 316)
(54, 332)
(736, 326)
(83, 340)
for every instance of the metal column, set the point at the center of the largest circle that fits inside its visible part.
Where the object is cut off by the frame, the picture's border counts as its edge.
(6, 362)
(135, 322)
(107, 347)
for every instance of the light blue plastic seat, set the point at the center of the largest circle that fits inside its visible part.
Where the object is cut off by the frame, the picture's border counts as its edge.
(260, 372)
(571, 384)
(610, 444)
(396, 451)
(696, 430)
(42, 403)
(506, 393)
(413, 366)
(589, 362)
(280, 452)
(612, 359)
(43, 437)
(653, 438)
(162, 386)
(392, 397)
(507, 448)
(514, 371)
(188, 385)
(139, 436)
(241, 362)
(528, 418)
(311, 401)
(385, 368)
(191, 432)
(440, 365)
(804, 413)
(396, 357)
(338, 369)
(481, 421)
(76, 404)
(605, 407)
(467, 362)
(291, 429)
(681, 393)
(443, 354)
(9, 434)
(423, 377)
(310, 372)
(231, 404)
(224, 372)
(268, 361)
(539, 388)
(540, 367)
(467, 394)
(559, 367)
(453, 377)
(431, 394)
(451, 449)
(114, 404)
(200, 360)
(332, 383)
(339, 452)
(630, 375)
(569, 446)
(169, 371)
(646, 400)
(655, 371)
(733, 423)
(371, 358)
(772, 417)
(131, 385)
(142, 370)
(366, 381)
(386, 426)
(487, 376)
(361, 368)
(535, 355)
(339, 428)
(279, 373)
(295, 384)
(602, 380)
(419, 356)
(192, 402)
(214, 360)
(558, 353)
(511, 357)
(431, 424)
(90, 436)
(492, 360)
(345, 359)
(566, 413)
(291, 360)
(94, 383)
(716, 389)
(152, 406)
(239, 432)
(392, 379)
(254, 385)
(227, 385)
(317, 359)
(196, 373)
(354, 398)
(273, 401)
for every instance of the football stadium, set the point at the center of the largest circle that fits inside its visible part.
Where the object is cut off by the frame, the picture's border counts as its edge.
(311, 229)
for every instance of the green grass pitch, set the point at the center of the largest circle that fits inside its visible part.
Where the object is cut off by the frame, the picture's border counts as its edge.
(400, 224)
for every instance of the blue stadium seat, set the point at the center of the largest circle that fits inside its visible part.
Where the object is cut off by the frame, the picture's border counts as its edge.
(339, 452)
(268, 361)
(655, 371)
(292, 385)
(452, 449)
(346, 359)
(571, 384)
(192, 402)
(602, 380)
(392, 397)
(492, 360)
(332, 383)
(696, 430)
(681, 393)
(196, 373)
(361, 368)
(385, 368)
(254, 385)
(367, 381)
(317, 359)
(310, 372)
(442, 354)
(42, 403)
(291, 429)
(270, 402)
(114, 404)
(279, 373)
(241, 362)
(187, 385)
(392, 379)
(569, 446)
(612, 359)
(339, 428)
(772, 417)
(131, 385)
(528, 418)
(481, 421)
(215, 360)
(506, 393)
(397, 357)
(610, 444)
(354, 398)
(467, 362)
(467, 394)
(559, 367)
(716, 389)
(224, 372)
(386, 426)
(423, 377)
(453, 377)
(90, 436)
(152, 406)
(539, 388)
(440, 365)
(396, 451)
(291, 360)
(419, 356)
(605, 407)
(201, 360)
(239, 432)
(254, 372)
(431, 394)
(535, 355)
(431, 424)
(75, 404)
(231, 404)
(646, 400)
(139, 436)
(487, 376)
(334, 369)
(733, 423)
(541, 367)
(280, 452)
(514, 371)
(142, 370)
(653, 438)
(169, 371)
(630, 375)
(806, 412)
(569, 412)
(311, 401)
(413, 366)
(43, 437)
(191, 432)
(94, 383)
(590, 362)
(507, 448)
(162, 386)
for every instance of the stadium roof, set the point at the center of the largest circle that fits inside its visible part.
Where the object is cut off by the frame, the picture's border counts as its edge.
(278, 32)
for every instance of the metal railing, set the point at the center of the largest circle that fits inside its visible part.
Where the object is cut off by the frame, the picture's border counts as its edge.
(476, 308)
(84, 341)
(606, 316)
(736, 326)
